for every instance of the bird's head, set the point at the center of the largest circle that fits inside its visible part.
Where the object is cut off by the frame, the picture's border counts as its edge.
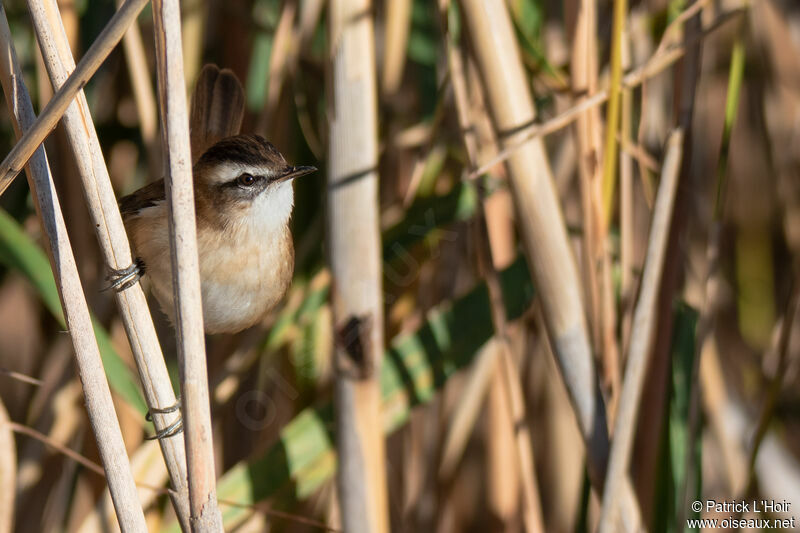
(245, 180)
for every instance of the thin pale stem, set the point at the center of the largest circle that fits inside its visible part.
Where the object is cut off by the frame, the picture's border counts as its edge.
(55, 108)
(711, 281)
(143, 95)
(99, 404)
(588, 135)
(355, 257)
(8, 471)
(205, 515)
(113, 240)
(397, 21)
(612, 113)
(644, 322)
(656, 65)
(508, 374)
(539, 218)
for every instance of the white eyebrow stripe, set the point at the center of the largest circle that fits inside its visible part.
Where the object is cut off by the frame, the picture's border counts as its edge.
(228, 171)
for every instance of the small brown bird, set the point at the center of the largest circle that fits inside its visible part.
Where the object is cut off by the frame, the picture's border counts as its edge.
(243, 203)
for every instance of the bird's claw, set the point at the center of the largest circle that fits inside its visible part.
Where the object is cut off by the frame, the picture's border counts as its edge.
(125, 278)
(171, 430)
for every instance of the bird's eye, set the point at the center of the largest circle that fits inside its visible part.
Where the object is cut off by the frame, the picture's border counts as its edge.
(246, 180)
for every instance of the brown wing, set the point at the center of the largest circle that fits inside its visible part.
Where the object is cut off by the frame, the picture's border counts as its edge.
(217, 108)
(145, 197)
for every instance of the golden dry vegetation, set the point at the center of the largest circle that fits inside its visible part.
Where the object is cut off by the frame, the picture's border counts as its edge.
(546, 277)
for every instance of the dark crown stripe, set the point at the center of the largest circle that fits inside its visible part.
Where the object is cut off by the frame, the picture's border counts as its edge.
(244, 149)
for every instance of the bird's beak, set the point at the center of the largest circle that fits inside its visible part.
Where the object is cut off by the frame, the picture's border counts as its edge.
(295, 172)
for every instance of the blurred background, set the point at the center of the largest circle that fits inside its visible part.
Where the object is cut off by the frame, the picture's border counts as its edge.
(451, 455)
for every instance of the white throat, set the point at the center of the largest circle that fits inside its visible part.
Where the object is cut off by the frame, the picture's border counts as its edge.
(272, 209)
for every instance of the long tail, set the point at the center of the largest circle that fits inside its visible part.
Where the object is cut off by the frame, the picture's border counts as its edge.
(217, 108)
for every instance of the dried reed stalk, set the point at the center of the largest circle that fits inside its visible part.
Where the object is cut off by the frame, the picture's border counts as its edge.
(644, 323)
(543, 231)
(612, 114)
(588, 133)
(44, 124)
(733, 427)
(504, 477)
(142, 87)
(141, 83)
(508, 378)
(114, 244)
(540, 219)
(355, 257)
(596, 261)
(466, 412)
(712, 280)
(626, 220)
(486, 379)
(193, 33)
(781, 350)
(205, 515)
(509, 382)
(685, 81)
(310, 12)
(8, 472)
(150, 474)
(397, 23)
(99, 404)
(282, 61)
(657, 64)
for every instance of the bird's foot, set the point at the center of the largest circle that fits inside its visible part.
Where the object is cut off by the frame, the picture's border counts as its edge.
(125, 278)
(171, 430)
